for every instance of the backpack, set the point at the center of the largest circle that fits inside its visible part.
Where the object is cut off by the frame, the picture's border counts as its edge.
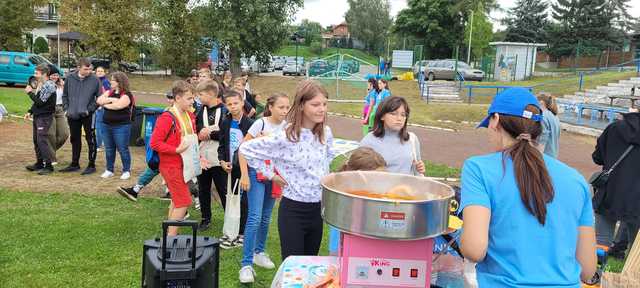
(153, 159)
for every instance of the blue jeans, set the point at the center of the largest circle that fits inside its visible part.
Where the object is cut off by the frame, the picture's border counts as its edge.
(100, 126)
(147, 176)
(259, 216)
(117, 137)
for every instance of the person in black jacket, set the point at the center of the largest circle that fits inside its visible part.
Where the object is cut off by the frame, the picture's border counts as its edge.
(232, 131)
(620, 198)
(43, 108)
(249, 100)
(209, 134)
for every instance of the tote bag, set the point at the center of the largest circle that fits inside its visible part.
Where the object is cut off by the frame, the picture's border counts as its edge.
(231, 226)
(209, 148)
(191, 156)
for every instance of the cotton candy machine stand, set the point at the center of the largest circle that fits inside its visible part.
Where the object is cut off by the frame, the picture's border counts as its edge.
(385, 243)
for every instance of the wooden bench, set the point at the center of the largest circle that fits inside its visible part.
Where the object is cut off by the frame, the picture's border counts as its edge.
(627, 97)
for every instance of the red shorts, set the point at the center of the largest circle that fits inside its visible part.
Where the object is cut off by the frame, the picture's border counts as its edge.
(179, 190)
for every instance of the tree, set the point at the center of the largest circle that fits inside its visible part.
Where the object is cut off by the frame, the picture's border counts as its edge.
(40, 46)
(481, 34)
(369, 21)
(621, 19)
(254, 28)
(112, 25)
(311, 31)
(527, 22)
(436, 22)
(178, 32)
(17, 18)
(583, 27)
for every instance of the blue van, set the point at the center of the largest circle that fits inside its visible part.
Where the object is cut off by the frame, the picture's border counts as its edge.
(18, 67)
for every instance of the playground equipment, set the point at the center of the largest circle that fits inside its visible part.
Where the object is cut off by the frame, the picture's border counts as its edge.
(346, 74)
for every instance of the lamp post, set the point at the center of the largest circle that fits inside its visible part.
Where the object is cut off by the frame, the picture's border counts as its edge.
(470, 34)
(296, 38)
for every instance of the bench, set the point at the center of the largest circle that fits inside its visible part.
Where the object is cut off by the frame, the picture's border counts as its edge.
(609, 110)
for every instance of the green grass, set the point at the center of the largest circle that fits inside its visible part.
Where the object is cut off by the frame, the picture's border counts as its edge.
(557, 86)
(74, 240)
(306, 52)
(17, 102)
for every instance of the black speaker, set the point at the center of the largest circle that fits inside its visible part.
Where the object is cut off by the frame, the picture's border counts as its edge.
(185, 261)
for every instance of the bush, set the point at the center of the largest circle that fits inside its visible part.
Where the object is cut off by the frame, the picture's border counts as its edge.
(40, 46)
(316, 47)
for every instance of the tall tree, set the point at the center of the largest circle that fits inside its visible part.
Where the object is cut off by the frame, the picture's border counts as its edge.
(582, 27)
(369, 21)
(436, 22)
(254, 28)
(17, 18)
(112, 25)
(481, 32)
(177, 28)
(620, 17)
(311, 31)
(527, 22)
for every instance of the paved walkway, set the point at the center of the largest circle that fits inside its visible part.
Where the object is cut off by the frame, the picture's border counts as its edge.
(453, 147)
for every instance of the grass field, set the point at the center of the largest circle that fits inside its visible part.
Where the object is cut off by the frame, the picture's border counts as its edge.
(305, 52)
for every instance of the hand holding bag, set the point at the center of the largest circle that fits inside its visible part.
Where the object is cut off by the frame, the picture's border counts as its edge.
(231, 226)
(209, 148)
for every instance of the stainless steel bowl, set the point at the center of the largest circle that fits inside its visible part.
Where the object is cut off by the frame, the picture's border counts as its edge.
(382, 218)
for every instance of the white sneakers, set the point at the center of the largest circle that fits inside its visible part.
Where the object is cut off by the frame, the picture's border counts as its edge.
(262, 259)
(247, 275)
(107, 174)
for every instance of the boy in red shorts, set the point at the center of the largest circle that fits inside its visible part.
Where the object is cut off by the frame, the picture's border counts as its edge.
(167, 140)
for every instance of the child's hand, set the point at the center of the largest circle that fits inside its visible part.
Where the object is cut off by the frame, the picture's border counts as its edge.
(280, 181)
(245, 184)
(419, 167)
(183, 146)
(226, 166)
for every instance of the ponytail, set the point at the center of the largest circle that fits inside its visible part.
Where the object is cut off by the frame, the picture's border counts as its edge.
(549, 102)
(272, 101)
(534, 182)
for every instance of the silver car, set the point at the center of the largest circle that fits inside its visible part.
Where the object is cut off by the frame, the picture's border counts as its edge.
(292, 69)
(445, 70)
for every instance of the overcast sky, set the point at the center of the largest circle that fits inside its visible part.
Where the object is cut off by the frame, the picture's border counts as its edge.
(331, 12)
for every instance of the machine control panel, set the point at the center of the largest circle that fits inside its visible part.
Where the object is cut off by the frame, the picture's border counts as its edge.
(383, 272)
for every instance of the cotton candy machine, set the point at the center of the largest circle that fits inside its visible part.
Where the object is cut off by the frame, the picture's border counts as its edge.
(388, 222)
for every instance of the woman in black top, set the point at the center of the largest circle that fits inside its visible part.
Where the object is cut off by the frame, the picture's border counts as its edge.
(118, 106)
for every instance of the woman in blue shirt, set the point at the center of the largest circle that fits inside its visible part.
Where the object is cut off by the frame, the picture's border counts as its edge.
(369, 102)
(528, 218)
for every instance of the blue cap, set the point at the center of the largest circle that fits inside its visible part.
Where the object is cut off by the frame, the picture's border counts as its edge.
(513, 102)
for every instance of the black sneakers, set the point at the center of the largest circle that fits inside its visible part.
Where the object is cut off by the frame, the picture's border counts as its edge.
(128, 193)
(70, 168)
(204, 225)
(46, 170)
(88, 170)
(36, 166)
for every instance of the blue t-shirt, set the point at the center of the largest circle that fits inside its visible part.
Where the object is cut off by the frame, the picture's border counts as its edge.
(235, 138)
(550, 133)
(521, 252)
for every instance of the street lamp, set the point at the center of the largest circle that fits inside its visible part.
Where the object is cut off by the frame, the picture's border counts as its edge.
(296, 38)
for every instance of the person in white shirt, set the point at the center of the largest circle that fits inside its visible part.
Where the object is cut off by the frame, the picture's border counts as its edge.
(301, 155)
(260, 196)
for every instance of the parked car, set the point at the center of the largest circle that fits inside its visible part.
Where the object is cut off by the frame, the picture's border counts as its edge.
(319, 68)
(445, 70)
(100, 62)
(420, 66)
(19, 67)
(293, 69)
(278, 63)
(129, 66)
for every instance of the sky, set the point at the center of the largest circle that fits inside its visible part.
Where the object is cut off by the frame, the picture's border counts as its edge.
(331, 12)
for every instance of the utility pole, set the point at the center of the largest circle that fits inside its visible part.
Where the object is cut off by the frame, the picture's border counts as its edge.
(470, 34)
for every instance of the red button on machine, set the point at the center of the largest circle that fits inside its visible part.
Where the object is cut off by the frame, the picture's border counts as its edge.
(395, 272)
(414, 273)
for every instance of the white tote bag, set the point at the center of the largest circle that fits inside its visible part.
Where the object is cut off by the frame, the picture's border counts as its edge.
(190, 157)
(209, 148)
(231, 226)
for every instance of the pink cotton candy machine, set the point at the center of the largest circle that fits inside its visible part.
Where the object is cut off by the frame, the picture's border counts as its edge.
(388, 222)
